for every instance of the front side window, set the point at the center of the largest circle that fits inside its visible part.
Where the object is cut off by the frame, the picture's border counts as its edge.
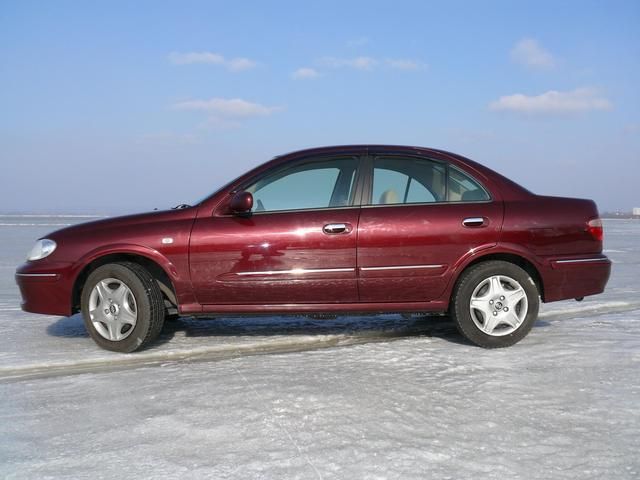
(314, 184)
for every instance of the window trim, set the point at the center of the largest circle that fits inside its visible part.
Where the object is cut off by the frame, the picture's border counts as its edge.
(319, 209)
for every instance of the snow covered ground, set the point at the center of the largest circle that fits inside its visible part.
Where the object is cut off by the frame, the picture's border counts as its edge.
(360, 397)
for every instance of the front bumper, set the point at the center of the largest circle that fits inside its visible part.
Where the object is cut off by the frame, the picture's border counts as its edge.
(45, 288)
(575, 277)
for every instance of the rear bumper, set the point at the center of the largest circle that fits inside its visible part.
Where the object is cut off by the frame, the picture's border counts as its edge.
(574, 277)
(45, 288)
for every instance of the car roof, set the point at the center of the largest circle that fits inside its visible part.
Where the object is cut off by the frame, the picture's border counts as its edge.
(364, 148)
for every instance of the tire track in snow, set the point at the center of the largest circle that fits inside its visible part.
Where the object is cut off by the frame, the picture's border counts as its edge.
(424, 327)
(589, 310)
(288, 344)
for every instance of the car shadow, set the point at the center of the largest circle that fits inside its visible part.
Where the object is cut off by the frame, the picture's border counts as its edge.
(375, 327)
(71, 327)
(291, 325)
(390, 325)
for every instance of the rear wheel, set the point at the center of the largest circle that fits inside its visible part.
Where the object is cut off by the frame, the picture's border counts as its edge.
(122, 306)
(495, 304)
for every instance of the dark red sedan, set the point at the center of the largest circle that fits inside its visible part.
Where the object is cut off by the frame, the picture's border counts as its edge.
(339, 229)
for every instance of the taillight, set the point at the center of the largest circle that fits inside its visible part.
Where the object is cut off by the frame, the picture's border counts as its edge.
(594, 227)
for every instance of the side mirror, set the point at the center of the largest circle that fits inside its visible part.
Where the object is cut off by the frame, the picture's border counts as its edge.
(241, 203)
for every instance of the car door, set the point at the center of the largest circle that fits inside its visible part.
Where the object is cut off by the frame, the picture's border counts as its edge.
(298, 245)
(421, 217)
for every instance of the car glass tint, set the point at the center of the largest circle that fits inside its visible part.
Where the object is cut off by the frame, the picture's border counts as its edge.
(320, 184)
(463, 188)
(398, 180)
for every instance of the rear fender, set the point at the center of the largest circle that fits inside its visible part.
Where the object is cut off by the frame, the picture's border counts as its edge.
(496, 252)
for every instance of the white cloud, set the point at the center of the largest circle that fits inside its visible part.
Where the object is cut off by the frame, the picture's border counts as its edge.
(304, 73)
(227, 108)
(239, 64)
(196, 57)
(233, 64)
(359, 63)
(529, 53)
(369, 63)
(553, 102)
(405, 64)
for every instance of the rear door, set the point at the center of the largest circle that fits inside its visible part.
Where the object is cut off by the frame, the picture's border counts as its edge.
(419, 218)
(297, 246)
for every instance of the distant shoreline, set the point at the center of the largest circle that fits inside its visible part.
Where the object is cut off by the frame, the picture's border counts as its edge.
(620, 216)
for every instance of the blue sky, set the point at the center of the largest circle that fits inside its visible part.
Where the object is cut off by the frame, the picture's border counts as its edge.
(112, 107)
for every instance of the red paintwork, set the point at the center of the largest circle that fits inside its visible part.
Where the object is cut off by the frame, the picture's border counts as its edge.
(419, 235)
(222, 245)
(211, 246)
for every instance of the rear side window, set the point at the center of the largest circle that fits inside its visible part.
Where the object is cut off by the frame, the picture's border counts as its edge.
(407, 180)
(462, 188)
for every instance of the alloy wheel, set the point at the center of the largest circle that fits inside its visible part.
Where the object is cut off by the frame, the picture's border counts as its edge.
(113, 309)
(498, 305)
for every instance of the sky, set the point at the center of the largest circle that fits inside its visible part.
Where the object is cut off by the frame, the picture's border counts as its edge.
(114, 107)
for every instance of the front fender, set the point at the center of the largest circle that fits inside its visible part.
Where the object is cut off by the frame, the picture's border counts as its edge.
(128, 249)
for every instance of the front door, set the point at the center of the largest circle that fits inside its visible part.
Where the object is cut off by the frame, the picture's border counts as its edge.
(422, 217)
(297, 246)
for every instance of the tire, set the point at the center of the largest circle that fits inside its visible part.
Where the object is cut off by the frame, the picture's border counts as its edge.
(495, 304)
(122, 307)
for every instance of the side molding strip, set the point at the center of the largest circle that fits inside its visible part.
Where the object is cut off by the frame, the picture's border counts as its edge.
(400, 267)
(36, 274)
(296, 271)
(582, 260)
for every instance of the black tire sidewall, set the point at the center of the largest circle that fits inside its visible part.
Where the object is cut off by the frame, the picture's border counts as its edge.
(469, 280)
(143, 303)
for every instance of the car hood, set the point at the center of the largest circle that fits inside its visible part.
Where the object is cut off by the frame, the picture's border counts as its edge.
(122, 223)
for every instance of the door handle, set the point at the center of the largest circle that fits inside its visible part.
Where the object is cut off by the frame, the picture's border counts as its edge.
(475, 222)
(334, 228)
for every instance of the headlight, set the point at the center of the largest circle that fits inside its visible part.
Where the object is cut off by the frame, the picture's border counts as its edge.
(43, 248)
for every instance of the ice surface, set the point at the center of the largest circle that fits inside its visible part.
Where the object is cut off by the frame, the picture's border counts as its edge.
(354, 397)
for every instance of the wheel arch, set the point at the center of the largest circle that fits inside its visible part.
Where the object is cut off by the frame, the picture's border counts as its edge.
(519, 260)
(158, 272)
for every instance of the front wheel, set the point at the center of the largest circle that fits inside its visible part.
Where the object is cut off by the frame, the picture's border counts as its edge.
(495, 304)
(122, 306)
